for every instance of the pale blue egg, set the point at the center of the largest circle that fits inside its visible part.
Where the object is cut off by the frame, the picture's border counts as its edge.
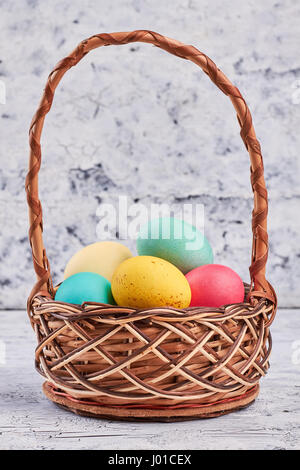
(176, 241)
(85, 287)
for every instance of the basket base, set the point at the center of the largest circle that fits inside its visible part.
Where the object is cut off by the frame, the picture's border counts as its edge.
(144, 414)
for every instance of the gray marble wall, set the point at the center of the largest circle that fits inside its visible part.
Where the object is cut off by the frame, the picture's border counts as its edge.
(134, 120)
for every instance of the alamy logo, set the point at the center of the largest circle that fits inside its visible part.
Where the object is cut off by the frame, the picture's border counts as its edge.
(2, 92)
(126, 219)
(2, 352)
(296, 352)
(296, 92)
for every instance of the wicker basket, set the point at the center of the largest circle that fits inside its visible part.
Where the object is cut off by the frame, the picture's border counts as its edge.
(162, 363)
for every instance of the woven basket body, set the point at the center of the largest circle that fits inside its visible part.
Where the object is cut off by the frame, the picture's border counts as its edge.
(161, 363)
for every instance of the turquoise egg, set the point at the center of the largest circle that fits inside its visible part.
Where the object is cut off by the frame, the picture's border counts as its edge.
(85, 287)
(176, 241)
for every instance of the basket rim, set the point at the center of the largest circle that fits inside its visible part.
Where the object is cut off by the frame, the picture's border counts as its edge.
(121, 314)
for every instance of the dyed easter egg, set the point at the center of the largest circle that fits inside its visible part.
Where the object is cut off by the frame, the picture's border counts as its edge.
(100, 258)
(146, 281)
(214, 285)
(85, 287)
(176, 241)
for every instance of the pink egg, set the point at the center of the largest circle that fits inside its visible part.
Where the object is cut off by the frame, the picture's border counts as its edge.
(214, 285)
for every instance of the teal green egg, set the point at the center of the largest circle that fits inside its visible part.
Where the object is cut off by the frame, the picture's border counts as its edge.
(176, 241)
(85, 287)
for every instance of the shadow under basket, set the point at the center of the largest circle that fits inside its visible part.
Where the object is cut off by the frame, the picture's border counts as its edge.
(158, 364)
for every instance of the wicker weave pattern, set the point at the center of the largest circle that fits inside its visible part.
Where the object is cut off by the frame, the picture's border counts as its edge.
(159, 356)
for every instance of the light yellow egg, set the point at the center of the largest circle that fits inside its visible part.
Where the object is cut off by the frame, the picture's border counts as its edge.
(100, 257)
(147, 281)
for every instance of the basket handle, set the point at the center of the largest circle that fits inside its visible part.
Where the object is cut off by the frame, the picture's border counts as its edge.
(260, 287)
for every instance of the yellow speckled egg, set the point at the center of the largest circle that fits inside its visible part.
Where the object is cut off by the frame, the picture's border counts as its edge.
(100, 258)
(147, 281)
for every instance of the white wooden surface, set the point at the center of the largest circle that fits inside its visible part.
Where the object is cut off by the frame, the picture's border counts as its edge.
(29, 421)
